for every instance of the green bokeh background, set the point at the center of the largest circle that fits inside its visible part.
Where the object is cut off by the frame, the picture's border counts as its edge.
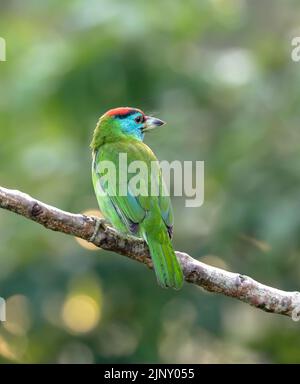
(220, 73)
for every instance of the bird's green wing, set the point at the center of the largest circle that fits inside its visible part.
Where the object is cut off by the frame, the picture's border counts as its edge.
(131, 209)
(148, 215)
(165, 206)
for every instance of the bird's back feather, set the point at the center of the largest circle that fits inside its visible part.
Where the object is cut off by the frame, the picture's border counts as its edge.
(148, 216)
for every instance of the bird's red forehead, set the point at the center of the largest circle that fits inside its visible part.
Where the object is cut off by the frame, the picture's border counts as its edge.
(123, 111)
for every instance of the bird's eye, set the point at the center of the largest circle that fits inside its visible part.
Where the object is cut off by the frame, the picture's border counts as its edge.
(139, 119)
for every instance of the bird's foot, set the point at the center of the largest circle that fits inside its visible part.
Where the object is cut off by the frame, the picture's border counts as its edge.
(99, 223)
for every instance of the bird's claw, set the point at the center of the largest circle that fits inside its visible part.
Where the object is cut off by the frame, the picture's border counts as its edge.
(96, 230)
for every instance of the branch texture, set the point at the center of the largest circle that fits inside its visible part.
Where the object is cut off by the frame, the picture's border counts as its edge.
(99, 233)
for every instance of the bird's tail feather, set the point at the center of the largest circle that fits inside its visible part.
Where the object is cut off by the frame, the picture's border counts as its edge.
(167, 268)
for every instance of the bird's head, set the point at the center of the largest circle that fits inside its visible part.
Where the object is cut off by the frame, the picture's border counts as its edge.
(123, 122)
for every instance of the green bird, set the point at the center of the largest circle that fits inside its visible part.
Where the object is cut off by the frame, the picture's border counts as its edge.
(120, 132)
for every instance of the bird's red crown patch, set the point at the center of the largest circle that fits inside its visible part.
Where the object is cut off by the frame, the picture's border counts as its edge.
(122, 111)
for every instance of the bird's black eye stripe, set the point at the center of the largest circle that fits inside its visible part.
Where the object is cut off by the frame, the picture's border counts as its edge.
(124, 116)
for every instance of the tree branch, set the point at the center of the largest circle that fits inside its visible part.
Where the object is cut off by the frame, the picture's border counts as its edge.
(99, 233)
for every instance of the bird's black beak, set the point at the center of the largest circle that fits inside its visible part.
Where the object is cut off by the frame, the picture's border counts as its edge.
(151, 123)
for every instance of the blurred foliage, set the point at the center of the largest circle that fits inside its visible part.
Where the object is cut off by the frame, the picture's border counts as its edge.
(220, 73)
